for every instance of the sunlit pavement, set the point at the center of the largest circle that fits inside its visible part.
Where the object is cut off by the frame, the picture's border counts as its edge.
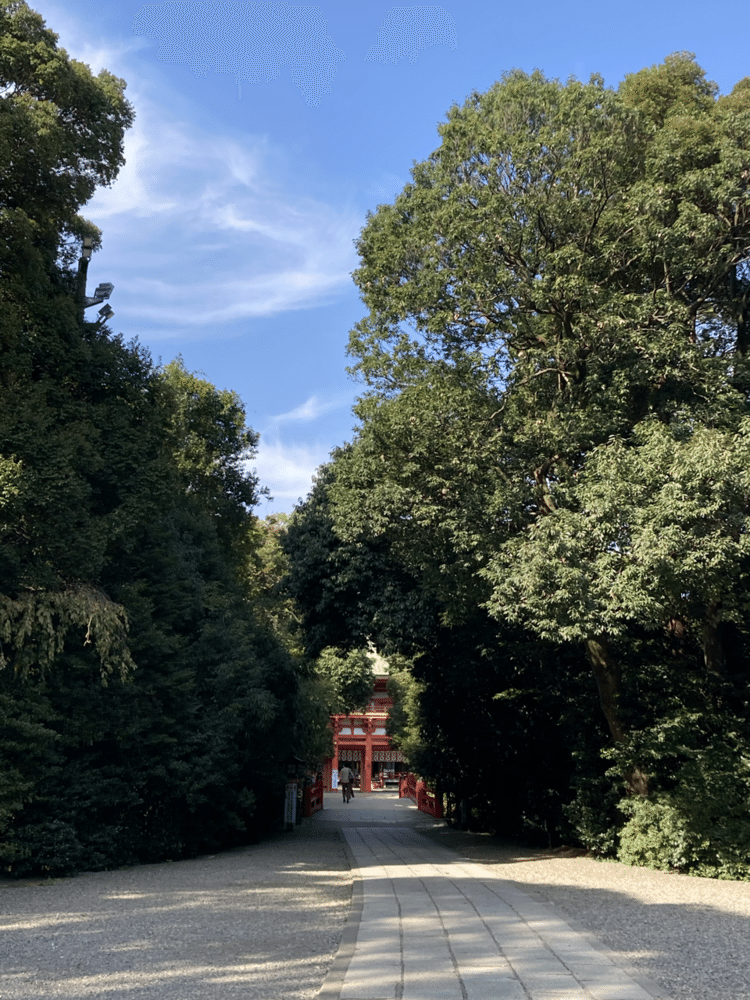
(427, 924)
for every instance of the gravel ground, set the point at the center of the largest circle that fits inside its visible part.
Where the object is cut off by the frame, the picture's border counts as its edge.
(690, 935)
(265, 921)
(258, 922)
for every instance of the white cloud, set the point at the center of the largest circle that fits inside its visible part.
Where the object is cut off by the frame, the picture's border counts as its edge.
(311, 409)
(76, 38)
(287, 470)
(198, 229)
(200, 232)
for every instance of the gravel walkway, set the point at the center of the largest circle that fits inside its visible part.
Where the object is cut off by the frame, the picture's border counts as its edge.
(258, 922)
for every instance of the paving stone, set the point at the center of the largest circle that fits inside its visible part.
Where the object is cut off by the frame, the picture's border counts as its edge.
(498, 988)
(463, 932)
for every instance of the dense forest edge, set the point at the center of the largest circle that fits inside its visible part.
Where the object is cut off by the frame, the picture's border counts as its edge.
(544, 511)
(541, 521)
(150, 682)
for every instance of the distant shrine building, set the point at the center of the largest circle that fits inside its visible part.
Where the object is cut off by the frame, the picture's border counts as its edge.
(360, 741)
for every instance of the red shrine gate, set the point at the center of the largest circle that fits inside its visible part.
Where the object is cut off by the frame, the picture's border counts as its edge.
(360, 740)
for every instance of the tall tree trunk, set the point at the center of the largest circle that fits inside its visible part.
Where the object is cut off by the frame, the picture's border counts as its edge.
(742, 342)
(713, 648)
(609, 684)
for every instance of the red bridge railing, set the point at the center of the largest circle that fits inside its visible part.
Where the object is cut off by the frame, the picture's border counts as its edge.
(407, 787)
(427, 801)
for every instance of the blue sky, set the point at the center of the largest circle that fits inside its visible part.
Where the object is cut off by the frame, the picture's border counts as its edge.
(265, 132)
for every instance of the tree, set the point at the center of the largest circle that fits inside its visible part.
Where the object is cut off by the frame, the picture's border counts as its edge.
(476, 710)
(553, 429)
(652, 532)
(263, 577)
(580, 255)
(61, 135)
(348, 593)
(81, 453)
(126, 528)
(212, 445)
(348, 677)
(184, 755)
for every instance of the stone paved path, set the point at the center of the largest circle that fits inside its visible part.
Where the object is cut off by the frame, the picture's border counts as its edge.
(428, 924)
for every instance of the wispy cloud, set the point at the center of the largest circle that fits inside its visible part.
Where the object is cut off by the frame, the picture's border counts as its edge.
(286, 465)
(312, 409)
(201, 233)
(197, 229)
(201, 228)
(76, 39)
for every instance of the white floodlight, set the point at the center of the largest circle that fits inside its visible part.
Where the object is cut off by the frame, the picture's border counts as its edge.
(106, 312)
(101, 293)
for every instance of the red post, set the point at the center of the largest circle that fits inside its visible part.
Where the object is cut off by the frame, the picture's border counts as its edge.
(313, 798)
(407, 787)
(366, 779)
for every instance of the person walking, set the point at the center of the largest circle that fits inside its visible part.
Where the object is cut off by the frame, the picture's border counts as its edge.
(345, 780)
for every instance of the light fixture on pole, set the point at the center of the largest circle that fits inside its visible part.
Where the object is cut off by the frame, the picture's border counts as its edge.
(102, 291)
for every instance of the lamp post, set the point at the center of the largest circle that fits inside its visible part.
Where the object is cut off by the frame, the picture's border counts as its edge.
(83, 267)
(101, 292)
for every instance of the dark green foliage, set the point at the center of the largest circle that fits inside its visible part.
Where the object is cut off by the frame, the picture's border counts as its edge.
(496, 721)
(72, 406)
(211, 445)
(144, 705)
(181, 756)
(348, 676)
(349, 593)
(177, 757)
(554, 433)
(262, 577)
(61, 136)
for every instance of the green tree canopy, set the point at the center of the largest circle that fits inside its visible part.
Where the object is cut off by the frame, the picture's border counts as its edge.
(576, 257)
(349, 677)
(349, 593)
(212, 447)
(555, 413)
(126, 535)
(61, 136)
(63, 390)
